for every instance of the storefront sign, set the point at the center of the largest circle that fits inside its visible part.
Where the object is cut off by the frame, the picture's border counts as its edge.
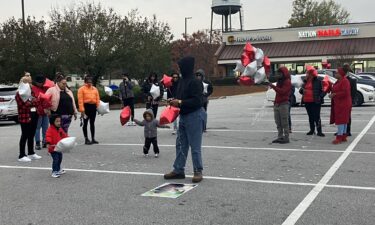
(321, 33)
(232, 39)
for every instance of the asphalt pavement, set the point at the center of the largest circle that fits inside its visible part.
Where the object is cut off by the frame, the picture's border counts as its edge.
(248, 180)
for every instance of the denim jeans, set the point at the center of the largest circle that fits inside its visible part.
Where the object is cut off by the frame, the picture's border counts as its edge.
(341, 129)
(175, 124)
(189, 135)
(43, 123)
(56, 161)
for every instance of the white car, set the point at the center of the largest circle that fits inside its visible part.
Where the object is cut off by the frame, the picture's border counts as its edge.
(365, 93)
(8, 104)
(366, 76)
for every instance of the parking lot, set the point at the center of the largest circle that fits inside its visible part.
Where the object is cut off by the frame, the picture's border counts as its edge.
(248, 180)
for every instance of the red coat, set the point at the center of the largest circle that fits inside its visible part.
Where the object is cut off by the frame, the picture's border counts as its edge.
(341, 106)
(37, 91)
(283, 87)
(53, 136)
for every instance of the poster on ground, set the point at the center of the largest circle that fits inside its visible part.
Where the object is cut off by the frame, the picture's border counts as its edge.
(170, 190)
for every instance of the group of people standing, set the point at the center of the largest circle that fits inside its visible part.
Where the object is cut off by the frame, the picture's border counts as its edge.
(34, 116)
(313, 92)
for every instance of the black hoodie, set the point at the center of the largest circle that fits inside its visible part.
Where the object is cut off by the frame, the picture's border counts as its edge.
(190, 90)
(210, 88)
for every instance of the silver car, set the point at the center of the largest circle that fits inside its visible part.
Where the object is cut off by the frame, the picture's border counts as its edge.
(8, 104)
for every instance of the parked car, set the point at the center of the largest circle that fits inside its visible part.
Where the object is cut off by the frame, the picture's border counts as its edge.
(331, 72)
(8, 105)
(366, 76)
(365, 93)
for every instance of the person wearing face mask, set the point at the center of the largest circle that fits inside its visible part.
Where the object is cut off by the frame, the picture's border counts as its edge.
(281, 104)
(127, 95)
(88, 102)
(63, 103)
(313, 98)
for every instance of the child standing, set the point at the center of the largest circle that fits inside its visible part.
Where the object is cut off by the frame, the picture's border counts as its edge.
(150, 131)
(54, 134)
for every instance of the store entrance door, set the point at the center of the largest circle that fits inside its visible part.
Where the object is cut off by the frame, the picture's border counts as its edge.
(300, 68)
(359, 67)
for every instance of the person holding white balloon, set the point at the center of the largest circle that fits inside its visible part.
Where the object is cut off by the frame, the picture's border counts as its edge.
(55, 134)
(152, 101)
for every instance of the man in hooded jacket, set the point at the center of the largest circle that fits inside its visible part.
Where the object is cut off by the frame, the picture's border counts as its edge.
(189, 100)
(201, 76)
(281, 105)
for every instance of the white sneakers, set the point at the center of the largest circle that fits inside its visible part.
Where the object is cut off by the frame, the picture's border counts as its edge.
(156, 155)
(130, 123)
(24, 159)
(35, 156)
(29, 158)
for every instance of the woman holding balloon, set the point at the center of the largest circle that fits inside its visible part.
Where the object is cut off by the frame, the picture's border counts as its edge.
(152, 101)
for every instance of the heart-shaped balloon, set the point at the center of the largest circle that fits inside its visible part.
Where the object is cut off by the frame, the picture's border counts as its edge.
(245, 81)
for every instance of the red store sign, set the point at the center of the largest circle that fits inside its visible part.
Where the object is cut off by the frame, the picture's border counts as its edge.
(320, 33)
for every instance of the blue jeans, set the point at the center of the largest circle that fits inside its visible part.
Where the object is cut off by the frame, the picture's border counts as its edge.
(43, 122)
(189, 135)
(56, 161)
(175, 124)
(341, 129)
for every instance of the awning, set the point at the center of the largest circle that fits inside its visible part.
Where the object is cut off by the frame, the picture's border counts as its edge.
(321, 48)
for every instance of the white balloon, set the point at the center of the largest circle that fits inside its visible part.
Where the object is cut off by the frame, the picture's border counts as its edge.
(24, 91)
(250, 69)
(239, 67)
(108, 91)
(155, 91)
(103, 108)
(260, 76)
(205, 88)
(259, 56)
(296, 81)
(66, 144)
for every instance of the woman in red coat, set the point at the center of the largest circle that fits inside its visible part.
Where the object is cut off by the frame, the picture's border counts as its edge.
(341, 106)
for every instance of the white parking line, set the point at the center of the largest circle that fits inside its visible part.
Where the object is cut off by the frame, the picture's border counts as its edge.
(308, 200)
(252, 148)
(189, 176)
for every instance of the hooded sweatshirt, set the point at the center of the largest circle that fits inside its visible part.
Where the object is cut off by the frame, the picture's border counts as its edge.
(210, 89)
(283, 87)
(190, 90)
(151, 127)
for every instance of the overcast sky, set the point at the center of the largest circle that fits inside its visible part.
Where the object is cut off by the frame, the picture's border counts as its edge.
(258, 13)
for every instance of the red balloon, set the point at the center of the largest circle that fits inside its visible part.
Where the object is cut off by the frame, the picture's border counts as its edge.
(169, 115)
(245, 59)
(245, 81)
(48, 83)
(167, 81)
(267, 61)
(125, 115)
(327, 85)
(45, 100)
(249, 49)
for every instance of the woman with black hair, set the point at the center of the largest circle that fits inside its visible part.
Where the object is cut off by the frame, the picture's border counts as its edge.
(88, 101)
(127, 95)
(152, 103)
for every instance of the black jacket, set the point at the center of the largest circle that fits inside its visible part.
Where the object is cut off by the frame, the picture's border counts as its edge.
(353, 86)
(172, 91)
(318, 92)
(190, 90)
(210, 88)
(146, 87)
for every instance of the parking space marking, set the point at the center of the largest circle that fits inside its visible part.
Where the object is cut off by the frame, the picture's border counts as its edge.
(241, 148)
(308, 200)
(244, 180)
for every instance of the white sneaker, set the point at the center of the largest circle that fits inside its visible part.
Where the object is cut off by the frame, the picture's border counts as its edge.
(145, 155)
(24, 159)
(128, 123)
(134, 124)
(156, 155)
(55, 175)
(61, 172)
(35, 156)
(174, 132)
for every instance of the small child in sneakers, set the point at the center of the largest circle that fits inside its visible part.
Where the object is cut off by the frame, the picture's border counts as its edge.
(54, 134)
(150, 125)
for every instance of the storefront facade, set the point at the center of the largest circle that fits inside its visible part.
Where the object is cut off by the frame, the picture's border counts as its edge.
(296, 47)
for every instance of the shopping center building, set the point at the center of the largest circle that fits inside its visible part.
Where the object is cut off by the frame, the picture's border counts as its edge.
(296, 47)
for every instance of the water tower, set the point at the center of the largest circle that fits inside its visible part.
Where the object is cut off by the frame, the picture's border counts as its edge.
(226, 8)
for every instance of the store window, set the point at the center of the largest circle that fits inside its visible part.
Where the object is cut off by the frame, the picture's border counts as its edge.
(230, 71)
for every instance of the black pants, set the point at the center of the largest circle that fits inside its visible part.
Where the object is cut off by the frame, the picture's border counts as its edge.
(348, 129)
(28, 132)
(153, 107)
(148, 142)
(90, 111)
(313, 110)
(130, 102)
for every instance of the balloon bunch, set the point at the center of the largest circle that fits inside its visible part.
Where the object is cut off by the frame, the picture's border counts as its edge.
(254, 66)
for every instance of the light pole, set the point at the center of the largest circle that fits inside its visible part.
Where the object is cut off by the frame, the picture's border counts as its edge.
(24, 34)
(186, 19)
